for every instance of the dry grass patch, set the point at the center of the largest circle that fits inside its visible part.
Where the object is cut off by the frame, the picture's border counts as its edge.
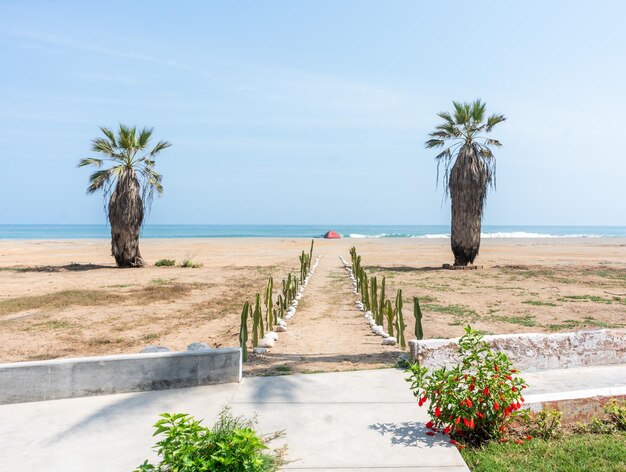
(65, 298)
(52, 301)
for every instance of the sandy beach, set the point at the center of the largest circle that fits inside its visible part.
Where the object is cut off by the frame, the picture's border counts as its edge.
(65, 298)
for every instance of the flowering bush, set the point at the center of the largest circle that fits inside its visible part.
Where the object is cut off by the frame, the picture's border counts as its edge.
(473, 402)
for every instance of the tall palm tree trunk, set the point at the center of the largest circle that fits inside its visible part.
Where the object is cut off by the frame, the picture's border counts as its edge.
(468, 187)
(126, 216)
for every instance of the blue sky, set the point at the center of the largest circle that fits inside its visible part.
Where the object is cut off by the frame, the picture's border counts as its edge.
(314, 111)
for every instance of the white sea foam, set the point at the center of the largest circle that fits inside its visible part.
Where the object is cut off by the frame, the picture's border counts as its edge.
(495, 235)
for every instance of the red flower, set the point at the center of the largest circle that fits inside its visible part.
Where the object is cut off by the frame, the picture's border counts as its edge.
(458, 420)
(471, 387)
(518, 405)
(504, 440)
(513, 371)
(430, 433)
(437, 412)
(471, 423)
(486, 391)
(479, 414)
(522, 399)
(430, 424)
(452, 441)
(528, 438)
(495, 367)
(466, 422)
(519, 441)
(507, 412)
(422, 401)
(447, 429)
(469, 403)
(513, 389)
(508, 377)
(496, 406)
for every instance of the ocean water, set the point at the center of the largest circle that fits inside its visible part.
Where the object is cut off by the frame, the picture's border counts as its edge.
(306, 231)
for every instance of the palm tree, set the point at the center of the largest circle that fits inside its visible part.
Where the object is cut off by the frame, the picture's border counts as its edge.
(130, 182)
(470, 169)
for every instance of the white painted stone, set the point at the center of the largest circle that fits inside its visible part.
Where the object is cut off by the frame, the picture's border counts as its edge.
(281, 328)
(271, 335)
(390, 341)
(266, 342)
(260, 350)
(199, 346)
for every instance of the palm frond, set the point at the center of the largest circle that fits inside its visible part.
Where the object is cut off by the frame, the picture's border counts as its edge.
(478, 111)
(494, 120)
(103, 146)
(433, 143)
(98, 180)
(159, 147)
(493, 142)
(446, 116)
(144, 138)
(109, 134)
(90, 161)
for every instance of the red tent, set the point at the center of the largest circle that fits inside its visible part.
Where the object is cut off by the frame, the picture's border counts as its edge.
(332, 235)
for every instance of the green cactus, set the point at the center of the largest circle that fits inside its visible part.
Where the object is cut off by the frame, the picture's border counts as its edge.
(281, 306)
(243, 332)
(389, 313)
(417, 312)
(381, 307)
(257, 322)
(269, 304)
(400, 326)
(374, 298)
(365, 292)
(311, 252)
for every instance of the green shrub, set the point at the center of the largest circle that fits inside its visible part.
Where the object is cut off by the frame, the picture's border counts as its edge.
(165, 263)
(475, 401)
(546, 424)
(617, 413)
(615, 420)
(188, 263)
(231, 445)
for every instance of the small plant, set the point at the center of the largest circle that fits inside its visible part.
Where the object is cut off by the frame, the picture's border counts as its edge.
(189, 264)
(546, 424)
(616, 412)
(474, 401)
(165, 263)
(615, 420)
(231, 445)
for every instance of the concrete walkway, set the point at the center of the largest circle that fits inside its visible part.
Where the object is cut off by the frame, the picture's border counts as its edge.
(349, 421)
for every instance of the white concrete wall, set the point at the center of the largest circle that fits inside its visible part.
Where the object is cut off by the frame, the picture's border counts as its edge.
(80, 377)
(535, 351)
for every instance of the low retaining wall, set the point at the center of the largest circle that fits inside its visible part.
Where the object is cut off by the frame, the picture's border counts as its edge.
(86, 376)
(534, 351)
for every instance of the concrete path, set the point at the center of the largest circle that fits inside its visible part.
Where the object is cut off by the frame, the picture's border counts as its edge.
(348, 421)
